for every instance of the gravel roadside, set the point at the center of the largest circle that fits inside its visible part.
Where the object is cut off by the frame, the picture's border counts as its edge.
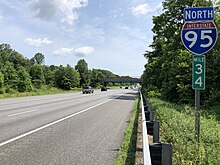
(139, 146)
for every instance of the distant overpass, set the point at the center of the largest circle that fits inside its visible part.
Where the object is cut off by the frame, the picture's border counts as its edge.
(123, 80)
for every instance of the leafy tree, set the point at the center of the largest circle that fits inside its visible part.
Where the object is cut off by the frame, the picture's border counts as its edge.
(82, 68)
(73, 75)
(17, 59)
(24, 80)
(97, 78)
(49, 74)
(10, 76)
(67, 77)
(53, 67)
(1, 83)
(5, 50)
(38, 59)
(211, 93)
(18, 73)
(107, 73)
(59, 75)
(37, 75)
(1, 79)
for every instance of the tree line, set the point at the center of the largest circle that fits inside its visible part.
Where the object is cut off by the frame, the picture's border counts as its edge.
(168, 72)
(20, 74)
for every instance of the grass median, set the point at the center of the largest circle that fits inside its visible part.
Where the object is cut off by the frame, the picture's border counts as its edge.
(44, 90)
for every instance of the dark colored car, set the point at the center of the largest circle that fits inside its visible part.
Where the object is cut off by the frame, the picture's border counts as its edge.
(126, 87)
(104, 89)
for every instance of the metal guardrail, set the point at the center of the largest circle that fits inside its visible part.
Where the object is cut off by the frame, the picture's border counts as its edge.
(156, 153)
(146, 150)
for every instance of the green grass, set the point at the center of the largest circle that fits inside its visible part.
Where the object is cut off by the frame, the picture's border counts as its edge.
(44, 90)
(127, 151)
(177, 128)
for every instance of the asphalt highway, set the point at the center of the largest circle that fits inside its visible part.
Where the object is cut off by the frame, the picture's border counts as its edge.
(64, 129)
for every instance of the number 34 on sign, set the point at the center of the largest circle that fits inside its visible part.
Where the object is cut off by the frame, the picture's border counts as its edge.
(198, 80)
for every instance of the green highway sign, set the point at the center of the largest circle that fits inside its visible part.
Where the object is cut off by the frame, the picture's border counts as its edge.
(198, 78)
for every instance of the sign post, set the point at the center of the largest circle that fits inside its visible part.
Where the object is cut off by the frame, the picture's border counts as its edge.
(199, 35)
(197, 114)
(198, 83)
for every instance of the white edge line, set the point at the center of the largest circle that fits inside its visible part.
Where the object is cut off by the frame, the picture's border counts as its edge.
(55, 122)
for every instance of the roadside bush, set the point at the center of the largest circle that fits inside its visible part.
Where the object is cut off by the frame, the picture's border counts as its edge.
(177, 128)
(153, 94)
(213, 98)
(2, 90)
(10, 90)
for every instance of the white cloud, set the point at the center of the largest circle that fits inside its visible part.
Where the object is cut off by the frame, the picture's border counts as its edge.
(38, 42)
(63, 51)
(70, 19)
(80, 52)
(84, 51)
(143, 9)
(1, 17)
(63, 10)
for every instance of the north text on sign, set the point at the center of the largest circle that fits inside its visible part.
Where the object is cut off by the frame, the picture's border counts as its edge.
(195, 14)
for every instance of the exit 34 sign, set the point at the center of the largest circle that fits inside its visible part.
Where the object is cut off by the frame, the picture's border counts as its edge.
(198, 78)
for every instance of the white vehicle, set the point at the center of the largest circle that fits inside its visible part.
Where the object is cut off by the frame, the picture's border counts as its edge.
(87, 89)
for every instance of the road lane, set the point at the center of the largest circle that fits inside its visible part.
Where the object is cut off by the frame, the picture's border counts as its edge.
(50, 124)
(50, 109)
(92, 136)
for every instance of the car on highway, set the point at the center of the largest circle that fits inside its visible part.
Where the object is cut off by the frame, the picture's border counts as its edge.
(104, 89)
(87, 89)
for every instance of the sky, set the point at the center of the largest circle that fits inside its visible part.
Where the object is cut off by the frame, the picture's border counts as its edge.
(108, 34)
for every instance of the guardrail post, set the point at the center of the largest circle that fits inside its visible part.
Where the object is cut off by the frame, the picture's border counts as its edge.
(153, 128)
(161, 154)
(145, 107)
(149, 115)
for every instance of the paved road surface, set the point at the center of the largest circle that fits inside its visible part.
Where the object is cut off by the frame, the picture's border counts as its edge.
(64, 129)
